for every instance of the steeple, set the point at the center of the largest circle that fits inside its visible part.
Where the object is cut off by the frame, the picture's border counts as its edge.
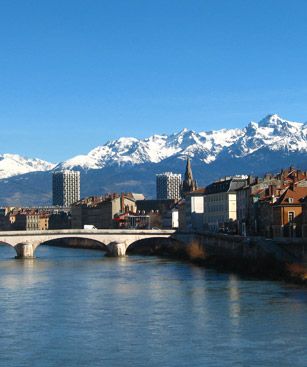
(188, 184)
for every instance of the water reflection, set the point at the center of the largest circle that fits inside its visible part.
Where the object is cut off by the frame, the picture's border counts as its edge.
(78, 307)
(234, 300)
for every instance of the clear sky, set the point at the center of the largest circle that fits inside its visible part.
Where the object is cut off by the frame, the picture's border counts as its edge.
(76, 73)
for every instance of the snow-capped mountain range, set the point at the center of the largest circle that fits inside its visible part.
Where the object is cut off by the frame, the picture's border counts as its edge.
(155, 149)
(273, 133)
(14, 164)
(129, 164)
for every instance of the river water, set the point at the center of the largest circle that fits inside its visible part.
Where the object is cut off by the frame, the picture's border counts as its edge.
(74, 307)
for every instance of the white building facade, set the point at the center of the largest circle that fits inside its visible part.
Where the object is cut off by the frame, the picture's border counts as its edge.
(168, 186)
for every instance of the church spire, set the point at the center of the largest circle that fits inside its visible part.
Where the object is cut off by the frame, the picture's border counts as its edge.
(188, 184)
(188, 176)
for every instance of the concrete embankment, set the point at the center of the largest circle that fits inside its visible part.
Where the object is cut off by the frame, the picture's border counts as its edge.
(265, 258)
(255, 255)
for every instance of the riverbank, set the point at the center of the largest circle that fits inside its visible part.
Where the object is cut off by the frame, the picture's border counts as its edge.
(256, 257)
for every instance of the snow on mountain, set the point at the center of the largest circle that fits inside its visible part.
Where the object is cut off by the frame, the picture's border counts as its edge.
(272, 133)
(14, 164)
(205, 145)
(216, 141)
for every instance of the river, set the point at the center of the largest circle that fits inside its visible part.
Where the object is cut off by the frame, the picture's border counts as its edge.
(74, 307)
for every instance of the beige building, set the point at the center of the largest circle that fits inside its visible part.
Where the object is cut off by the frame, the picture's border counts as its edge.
(220, 203)
(29, 221)
(32, 219)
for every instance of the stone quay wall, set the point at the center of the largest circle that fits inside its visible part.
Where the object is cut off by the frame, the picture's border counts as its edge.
(279, 258)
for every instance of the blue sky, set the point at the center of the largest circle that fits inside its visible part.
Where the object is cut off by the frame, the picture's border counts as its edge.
(74, 74)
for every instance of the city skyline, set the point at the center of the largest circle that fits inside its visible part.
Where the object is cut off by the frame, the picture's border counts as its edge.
(153, 183)
(75, 75)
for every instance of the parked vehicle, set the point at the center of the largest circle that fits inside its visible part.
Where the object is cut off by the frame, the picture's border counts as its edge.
(89, 226)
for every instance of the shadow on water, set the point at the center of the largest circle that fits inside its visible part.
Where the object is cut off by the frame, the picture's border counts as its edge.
(6, 252)
(45, 251)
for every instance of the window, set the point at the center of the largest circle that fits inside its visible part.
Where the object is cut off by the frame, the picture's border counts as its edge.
(290, 200)
(291, 216)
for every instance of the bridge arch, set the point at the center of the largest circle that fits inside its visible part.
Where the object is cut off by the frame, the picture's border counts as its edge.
(75, 242)
(8, 247)
(157, 246)
(5, 243)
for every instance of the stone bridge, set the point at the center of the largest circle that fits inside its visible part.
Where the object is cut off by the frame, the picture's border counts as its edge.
(115, 241)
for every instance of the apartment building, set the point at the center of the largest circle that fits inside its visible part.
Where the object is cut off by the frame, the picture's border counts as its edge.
(168, 186)
(65, 187)
(220, 203)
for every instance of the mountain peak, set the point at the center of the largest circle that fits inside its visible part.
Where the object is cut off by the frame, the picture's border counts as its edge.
(279, 124)
(184, 130)
(271, 121)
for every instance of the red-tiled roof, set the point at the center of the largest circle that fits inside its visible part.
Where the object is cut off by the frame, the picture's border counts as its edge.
(296, 195)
